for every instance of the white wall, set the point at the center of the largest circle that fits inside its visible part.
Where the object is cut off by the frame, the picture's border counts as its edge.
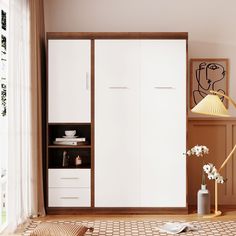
(210, 23)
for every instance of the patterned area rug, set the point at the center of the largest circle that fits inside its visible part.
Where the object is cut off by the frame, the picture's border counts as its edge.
(147, 228)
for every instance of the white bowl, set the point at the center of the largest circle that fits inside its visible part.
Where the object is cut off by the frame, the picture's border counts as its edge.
(70, 132)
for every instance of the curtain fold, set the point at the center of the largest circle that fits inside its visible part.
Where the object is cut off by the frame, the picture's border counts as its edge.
(37, 65)
(26, 75)
(19, 132)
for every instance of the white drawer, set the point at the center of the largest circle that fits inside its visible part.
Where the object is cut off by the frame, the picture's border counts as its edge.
(69, 178)
(69, 197)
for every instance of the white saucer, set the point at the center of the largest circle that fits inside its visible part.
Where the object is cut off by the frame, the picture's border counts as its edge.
(67, 136)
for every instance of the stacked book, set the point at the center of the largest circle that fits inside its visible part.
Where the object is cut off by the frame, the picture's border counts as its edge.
(70, 141)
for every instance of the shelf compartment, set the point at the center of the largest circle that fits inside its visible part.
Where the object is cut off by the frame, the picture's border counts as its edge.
(55, 158)
(56, 130)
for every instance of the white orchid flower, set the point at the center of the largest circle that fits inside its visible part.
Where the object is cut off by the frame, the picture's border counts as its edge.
(198, 150)
(212, 173)
(207, 168)
(220, 180)
(210, 176)
(189, 153)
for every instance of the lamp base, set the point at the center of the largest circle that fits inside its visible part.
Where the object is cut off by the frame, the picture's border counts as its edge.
(217, 213)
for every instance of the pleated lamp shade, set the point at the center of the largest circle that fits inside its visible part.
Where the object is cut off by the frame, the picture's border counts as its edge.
(211, 105)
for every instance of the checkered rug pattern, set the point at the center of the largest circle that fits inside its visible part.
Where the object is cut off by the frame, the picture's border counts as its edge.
(147, 228)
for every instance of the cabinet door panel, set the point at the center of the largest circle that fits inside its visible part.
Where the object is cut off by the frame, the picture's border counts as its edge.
(116, 123)
(162, 63)
(163, 123)
(69, 81)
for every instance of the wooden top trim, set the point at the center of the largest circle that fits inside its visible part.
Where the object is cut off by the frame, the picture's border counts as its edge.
(209, 59)
(117, 35)
(212, 119)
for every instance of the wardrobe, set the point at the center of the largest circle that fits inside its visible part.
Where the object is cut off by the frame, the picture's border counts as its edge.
(125, 93)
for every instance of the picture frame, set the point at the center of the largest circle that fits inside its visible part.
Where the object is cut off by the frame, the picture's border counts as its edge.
(208, 74)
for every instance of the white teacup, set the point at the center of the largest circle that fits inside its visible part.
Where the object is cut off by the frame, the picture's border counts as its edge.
(70, 132)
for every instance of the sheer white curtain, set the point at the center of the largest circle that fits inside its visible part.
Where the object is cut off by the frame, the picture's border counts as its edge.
(21, 178)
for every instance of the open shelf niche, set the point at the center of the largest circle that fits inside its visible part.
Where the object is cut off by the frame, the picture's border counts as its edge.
(83, 149)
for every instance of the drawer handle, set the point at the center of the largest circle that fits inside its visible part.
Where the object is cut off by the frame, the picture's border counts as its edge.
(69, 178)
(118, 87)
(163, 87)
(69, 197)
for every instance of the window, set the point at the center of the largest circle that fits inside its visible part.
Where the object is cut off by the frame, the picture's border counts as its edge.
(3, 112)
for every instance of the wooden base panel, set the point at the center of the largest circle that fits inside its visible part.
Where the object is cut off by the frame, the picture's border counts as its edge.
(112, 211)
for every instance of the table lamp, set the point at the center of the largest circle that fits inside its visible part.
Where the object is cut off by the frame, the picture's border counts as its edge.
(212, 105)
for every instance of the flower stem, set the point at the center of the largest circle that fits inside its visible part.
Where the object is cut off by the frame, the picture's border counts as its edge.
(203, 178)
(203, 175)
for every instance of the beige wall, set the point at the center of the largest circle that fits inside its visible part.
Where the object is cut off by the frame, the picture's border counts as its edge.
(211, 23)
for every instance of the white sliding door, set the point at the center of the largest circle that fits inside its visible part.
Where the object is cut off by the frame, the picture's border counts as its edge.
(116, 123)
(163, 123)
(69, 80)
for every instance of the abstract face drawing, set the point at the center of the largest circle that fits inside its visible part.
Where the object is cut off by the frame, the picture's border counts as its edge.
(208, 76)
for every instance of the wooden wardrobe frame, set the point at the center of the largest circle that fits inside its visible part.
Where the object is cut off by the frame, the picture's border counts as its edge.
(107, 210)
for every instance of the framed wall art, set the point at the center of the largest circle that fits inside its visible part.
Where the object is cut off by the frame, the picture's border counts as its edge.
(208, 74)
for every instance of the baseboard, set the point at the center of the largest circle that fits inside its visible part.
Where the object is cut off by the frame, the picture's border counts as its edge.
(193, 208)
(115, 211)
